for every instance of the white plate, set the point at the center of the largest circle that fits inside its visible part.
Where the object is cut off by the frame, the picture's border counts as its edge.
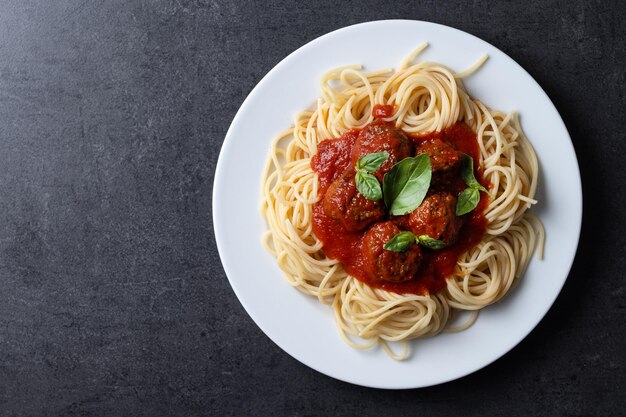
(301, 325)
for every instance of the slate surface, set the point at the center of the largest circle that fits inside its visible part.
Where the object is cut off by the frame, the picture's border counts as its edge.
(113, 300)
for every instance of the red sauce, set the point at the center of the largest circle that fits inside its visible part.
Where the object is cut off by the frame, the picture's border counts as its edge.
(383, 110)
(333, 158)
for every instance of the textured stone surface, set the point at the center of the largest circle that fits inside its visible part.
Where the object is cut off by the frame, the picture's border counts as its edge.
(113, 300)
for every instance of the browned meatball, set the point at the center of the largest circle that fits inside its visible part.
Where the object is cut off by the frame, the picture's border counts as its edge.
(387, 265)
(443, 157)
(379, 137)
(436, 218)
(344, 203)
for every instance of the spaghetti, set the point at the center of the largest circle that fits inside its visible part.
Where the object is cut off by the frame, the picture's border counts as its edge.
(426, 97)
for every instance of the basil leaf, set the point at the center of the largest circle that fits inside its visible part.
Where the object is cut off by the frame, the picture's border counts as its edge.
(406, 184)
(467, 201)
(372, 161)
(467, 173)
(430, 243)
(400, 242)
(368, 185)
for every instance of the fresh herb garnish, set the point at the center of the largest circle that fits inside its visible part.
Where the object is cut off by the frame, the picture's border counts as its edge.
(371, 162)
(400, 242)
(470, 197)
(429, 242)
(403, 240)
(468, 200)
(467, 173)
(366, 183)
(406, 184)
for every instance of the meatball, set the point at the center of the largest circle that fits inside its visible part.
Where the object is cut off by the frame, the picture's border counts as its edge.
(344, 203)
(443, 157)
(436, 218)
(384, 264)
(379, 137)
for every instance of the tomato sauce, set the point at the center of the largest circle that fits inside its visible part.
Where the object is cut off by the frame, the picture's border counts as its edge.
(333, 158)
(382, 110)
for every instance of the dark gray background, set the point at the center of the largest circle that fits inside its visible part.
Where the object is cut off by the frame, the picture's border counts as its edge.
(113, 300)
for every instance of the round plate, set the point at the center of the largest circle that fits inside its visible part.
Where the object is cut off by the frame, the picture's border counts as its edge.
(305, 328)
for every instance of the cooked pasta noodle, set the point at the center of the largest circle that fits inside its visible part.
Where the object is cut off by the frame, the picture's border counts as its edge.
(426, 97)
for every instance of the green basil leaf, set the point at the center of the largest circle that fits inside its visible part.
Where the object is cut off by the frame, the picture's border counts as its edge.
(372, 161)
(430, 243)
(467, 173)
(406, 184)
(368, 185)
(467, 201)
(400, 242)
